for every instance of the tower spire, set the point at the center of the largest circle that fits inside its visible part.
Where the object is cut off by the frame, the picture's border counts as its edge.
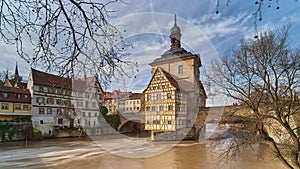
(16, 75)
(175, 35)
(16, 70)
(175, 24)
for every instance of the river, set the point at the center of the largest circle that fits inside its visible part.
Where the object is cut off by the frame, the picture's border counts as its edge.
(83, 153)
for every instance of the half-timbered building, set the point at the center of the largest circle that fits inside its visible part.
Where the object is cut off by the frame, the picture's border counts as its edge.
(175, 87)
(165, 103)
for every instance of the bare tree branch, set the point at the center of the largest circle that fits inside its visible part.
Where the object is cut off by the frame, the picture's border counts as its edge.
(264, 75)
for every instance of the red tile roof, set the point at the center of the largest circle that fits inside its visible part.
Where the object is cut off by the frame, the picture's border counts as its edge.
(117, 94)
(47, 79)
(14, 90)
(11, 94)
(136, 96)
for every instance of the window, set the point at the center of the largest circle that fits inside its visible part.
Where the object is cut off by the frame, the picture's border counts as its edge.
(59, 101)
(26, 96)
(89, 114)
(161, 108)
(50, 90)
(67, 102)
(18, 96)
(158, 97)
(177, 108)
(169, 95)
(60, 121)
(40, 100)
(17, 107)
(79, 104)
(87, 104)
(59, 91)
(177, 96)
(49, 110)
(4, 106)
(41, 110)
(180, 69)
(158, 78)
(50, 101)
(169, 122)
(170, 107)
(137, 108)
(148, 108)
(86, 95)
(148, 97)
(83, 113)
(93, 104)
(156, 122)
(71, 123)
(41, 122)
(95, 114)
(58, 111)
(25, 107)
(4, 95)
(163, 86)
(94, 123)
(68, 92)
(153, 108)
(137, 102)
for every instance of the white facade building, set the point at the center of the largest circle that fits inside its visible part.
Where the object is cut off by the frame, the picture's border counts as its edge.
(59, 102)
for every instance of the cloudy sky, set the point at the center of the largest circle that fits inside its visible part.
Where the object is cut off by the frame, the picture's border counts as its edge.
(148, 22)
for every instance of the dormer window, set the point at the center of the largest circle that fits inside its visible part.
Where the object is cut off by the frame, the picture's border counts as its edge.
(4, 95)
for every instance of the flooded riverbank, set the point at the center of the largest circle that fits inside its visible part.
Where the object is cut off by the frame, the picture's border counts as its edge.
(73, 153)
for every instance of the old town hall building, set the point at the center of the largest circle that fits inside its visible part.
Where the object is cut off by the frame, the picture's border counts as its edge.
(175, 92)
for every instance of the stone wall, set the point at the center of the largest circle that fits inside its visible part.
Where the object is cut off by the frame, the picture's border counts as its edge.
(21, 130)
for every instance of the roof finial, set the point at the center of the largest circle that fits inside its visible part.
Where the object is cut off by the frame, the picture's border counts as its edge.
(175, 24)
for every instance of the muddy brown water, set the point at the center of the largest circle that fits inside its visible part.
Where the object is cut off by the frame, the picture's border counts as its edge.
(82, 153)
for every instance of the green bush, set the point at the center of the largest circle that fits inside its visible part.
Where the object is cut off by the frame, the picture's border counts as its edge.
(7, 130)
(113, 120)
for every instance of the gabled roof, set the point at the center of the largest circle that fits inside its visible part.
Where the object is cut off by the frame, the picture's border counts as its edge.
(136, 96)
(117, 94)
(168, 76)
(47, 79)
(202, 90)
(14, 90)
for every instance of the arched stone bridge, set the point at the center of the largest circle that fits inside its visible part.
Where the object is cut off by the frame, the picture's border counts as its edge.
(131, 122)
